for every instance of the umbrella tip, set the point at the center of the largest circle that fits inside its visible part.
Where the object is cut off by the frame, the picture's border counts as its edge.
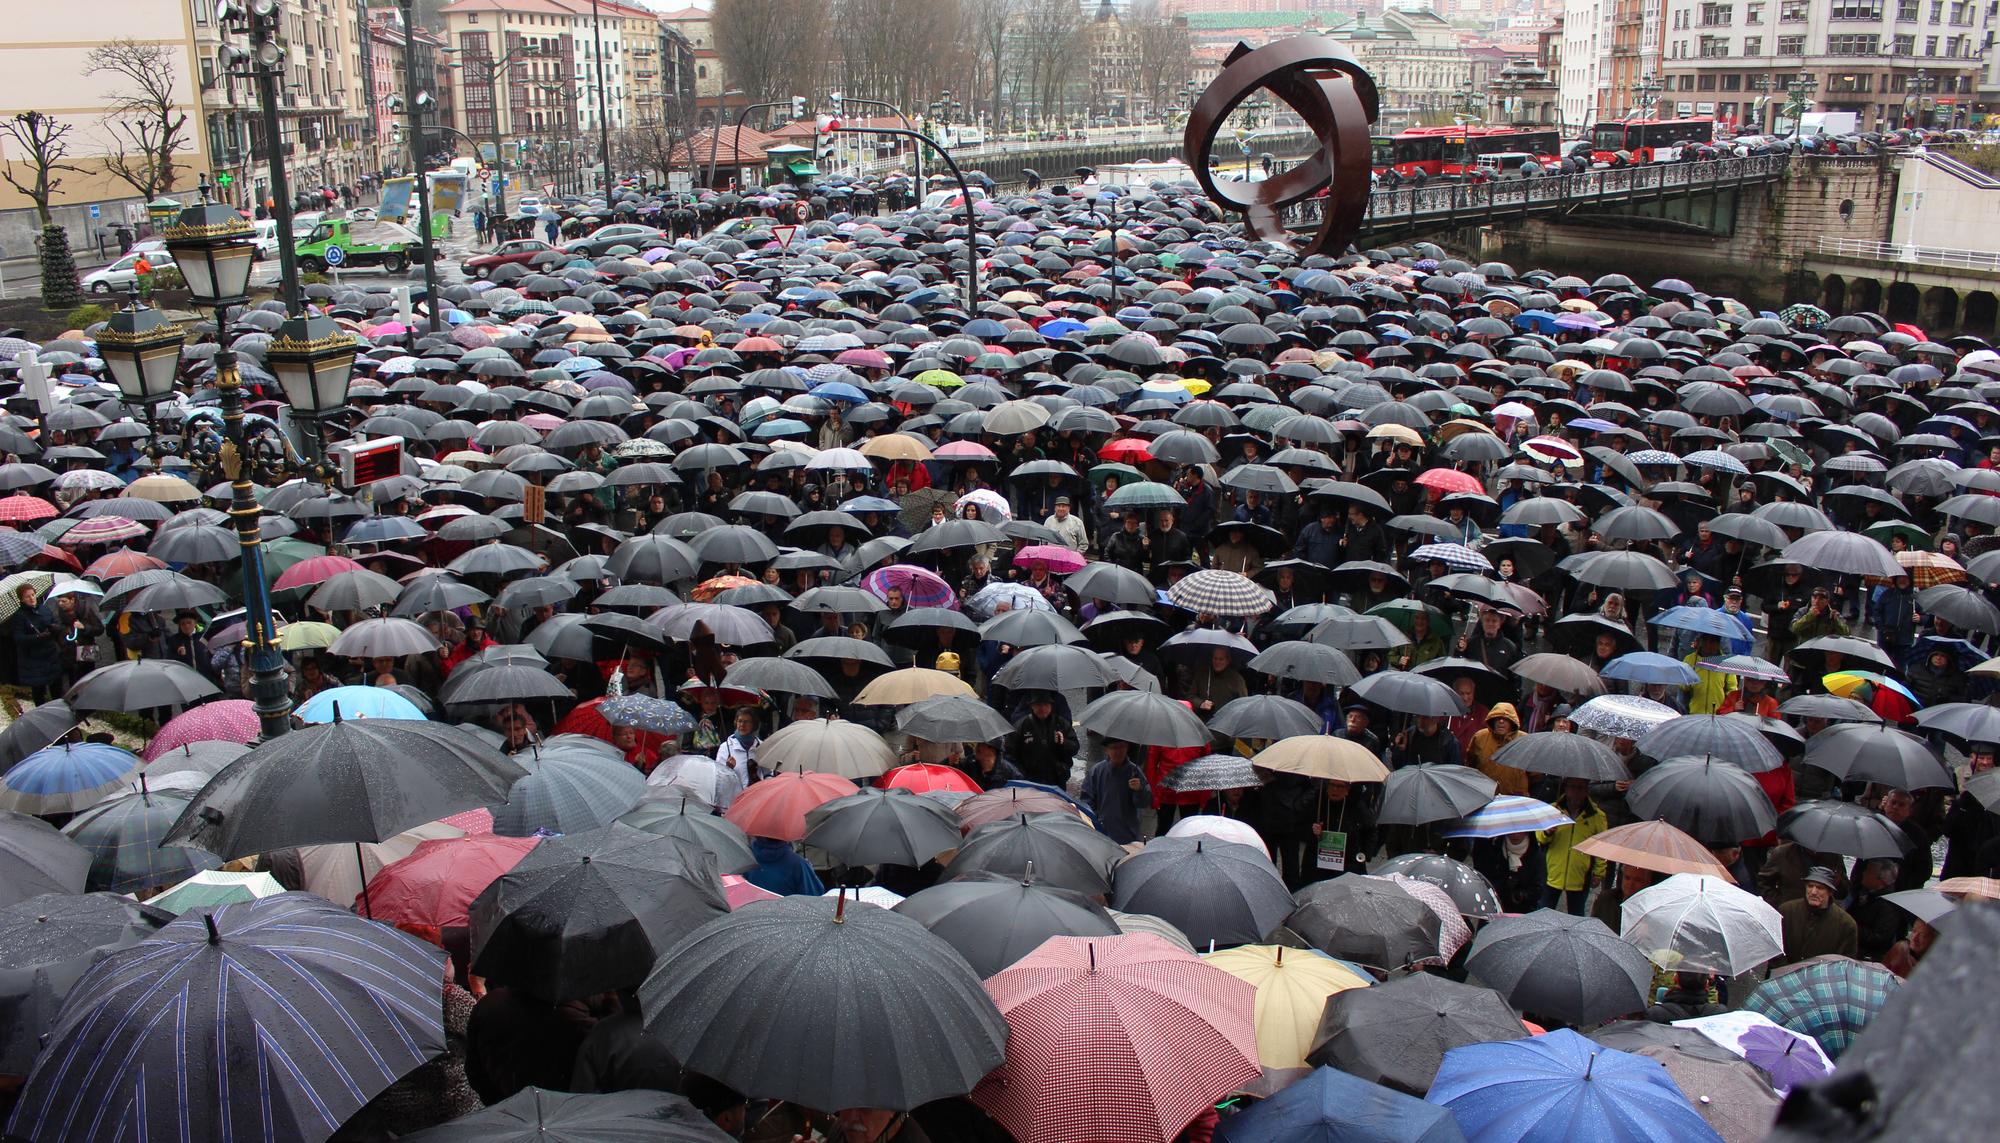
(1093, 957)
(336, 712)
(1281, 956)
(840, 906)
(214, 936)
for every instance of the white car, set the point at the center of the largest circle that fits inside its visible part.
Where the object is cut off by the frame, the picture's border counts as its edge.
(118, 277)
(530, 204)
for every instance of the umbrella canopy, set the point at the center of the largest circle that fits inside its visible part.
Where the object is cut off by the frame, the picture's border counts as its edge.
(49, 941)
(124, 837)
(994, 920)
(1414, 795)
(139, 684)
(811, 966)
(336, 1007)
(1653, 845)
(827, 746)
(911, 684)
(690, 820)
(67, 778)
(1396, 1034)
(35, 858)
(1552, 965)
(1057, 849)
(953, 718)
(1708, 799)
(433, 888)
(1145, 719)
(1734, 1095)
(365, 780)
(777, 806)
(1700, 923)
(1330, 1106)
(1322, 756)
(1371, 920)
(1291, 993)
(1123, 1037)
(1831, 999)
(1213, 891)
(1563, 1085)
(590, 912)
(1564, 756)
(1467, 887)
(533, 1115)
(877, 826)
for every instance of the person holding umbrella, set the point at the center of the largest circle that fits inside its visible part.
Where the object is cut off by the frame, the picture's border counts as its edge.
(1503, 725)
(1044, 744)
(1572, 875)
(1116, 790)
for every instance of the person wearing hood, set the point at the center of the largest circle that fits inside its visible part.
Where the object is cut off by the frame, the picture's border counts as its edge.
(1503, 725)
(781, 870)
(988, 768)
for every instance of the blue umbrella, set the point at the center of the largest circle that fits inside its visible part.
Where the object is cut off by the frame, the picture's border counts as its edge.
(383, 530)
(1562, 1087)
(65, 779)
(271, 1019)
(358, 702)
(870, 504)
(839, 391)
(1650, 667)
(1701, 621)
(1330, 1106)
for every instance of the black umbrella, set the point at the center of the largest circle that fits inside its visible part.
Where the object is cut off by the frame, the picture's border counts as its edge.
(1414, 795)
(355, 781)
(36, 728)
(910, 1019)
(1564, 756)
(35, 858)
(1057, 849)
(1407, 692)
(877, 827)
(533, 1115)
(1851, 830)
(502, 680)
(1712, 736)
(590, 912)
(994, 920)
(1144, 718)
(777, 676)
(953, 718)
(1396, 1034)
(139, 684)
(1877, 752)
(1112, 584)
(1266, 717)
(1562, 673)
(1367, 919)
(1624, 571)
(1552, 965)
(336, 1008)
(692, 821)
(1709, 800)
(1961, 607)
(1301, 661)
(1055, 667)
(46, 943)
(1216, 892)
(1467, 887)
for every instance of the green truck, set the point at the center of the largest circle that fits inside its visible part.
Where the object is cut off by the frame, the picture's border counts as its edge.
(341, 244)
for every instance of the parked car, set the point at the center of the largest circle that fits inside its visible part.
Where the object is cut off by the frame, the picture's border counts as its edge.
(118, 277)
(521, 251)
(618, 234)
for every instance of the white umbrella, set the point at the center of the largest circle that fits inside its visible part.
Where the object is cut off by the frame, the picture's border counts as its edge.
(335, 871)
(1702, 923)
(1221, 828)
(1622, 716)
(692, 775)
(828, 745)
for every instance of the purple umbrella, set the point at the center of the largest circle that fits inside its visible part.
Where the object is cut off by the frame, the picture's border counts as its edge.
(1789, 1058)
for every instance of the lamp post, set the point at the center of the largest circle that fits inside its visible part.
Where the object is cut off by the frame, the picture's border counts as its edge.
(603, 108)
(313, 359)
(214, 248)
(263, 64)
(965, 192)
(1800, 92)
(414, 101)
(715, 128)
(1647, 94)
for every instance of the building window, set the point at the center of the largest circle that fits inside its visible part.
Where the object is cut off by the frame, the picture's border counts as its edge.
(1850, 84)
(1937, 11)
(1714, 48)
(1903, 45)
(1791, 45)
(1705, 81)
(1794, 11)
(1753, 46)
(1732, 83)
(1717, 15)
(1857, 9)
(1853, 45)
(1908, 9)
(201, 8)
(1930, 45)
(1753, 13)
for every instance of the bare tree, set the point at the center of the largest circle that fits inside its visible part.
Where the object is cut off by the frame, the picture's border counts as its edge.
(1053, 49)
(901, 51)
(989, 22)
(1164, 55)
(44, 144)
(147, 127)
(771, 49)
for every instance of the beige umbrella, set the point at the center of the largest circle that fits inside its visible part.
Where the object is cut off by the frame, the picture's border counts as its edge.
(896, 446)
(335, 871)
(911, 684)
(828, 746)
(1653, 845)
(163, 488)
(1322, 756)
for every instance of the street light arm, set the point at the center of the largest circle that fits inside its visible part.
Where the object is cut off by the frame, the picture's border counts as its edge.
(965, 191)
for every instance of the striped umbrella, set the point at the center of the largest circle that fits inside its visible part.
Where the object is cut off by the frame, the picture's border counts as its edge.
(920, 586)
(1224, 594)
(152, 1042)
(103, 530)
(1508, 813)
(1457, 557)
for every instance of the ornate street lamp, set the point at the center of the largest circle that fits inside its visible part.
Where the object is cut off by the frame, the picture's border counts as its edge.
(313, 359)
(213, 247)
(143, 350)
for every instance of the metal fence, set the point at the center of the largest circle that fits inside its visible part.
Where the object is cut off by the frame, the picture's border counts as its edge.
(1442, 202)
(1912, 255)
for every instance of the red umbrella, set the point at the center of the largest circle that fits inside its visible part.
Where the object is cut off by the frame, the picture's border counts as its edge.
(1120, 1037)
(471, 821)
(57, 555)
(739, 892)
(925, 777)
(1450, 480)
(224, 720)
(122, 562)
(777, 806)
(313, 571)
(1059, 560)
(1125, 450)
(22, 507)
(430, 890)
(589, 720)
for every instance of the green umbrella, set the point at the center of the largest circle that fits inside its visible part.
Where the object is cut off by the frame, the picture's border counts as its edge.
(1790, 453)
(1914, 536)
(1125, 473)
(1402, 612)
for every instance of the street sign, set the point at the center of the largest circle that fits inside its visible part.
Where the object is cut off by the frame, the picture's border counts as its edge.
(784, 236)
(96, 212)
(548, 188)
(333, 256)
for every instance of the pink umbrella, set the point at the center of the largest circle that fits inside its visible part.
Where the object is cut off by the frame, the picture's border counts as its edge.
(387, 329)
(1058, 560)
(542, 422)
(963, 450)
(920, 586)
(863, 359)
(313, 571)
(102, 530)
(225, 720)
(739, 892)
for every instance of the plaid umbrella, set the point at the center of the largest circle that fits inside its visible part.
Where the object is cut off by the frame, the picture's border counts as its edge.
(124, 836)
(1830, 999)
(1508, 813)
(574, 784)
(152, 1024)
(1927, 569)
(224, 720)
(17, 548)
(921, 587)
(1224, 594)
(22, 508)
(644, 712)
(103, 530)
(1457, 557)
(1186, 1032)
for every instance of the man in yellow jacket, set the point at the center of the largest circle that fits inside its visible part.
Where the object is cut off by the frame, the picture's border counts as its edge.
(1572, 874)
(1711, 687)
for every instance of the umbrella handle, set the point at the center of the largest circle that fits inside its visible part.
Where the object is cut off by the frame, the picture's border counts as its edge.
(361, 867)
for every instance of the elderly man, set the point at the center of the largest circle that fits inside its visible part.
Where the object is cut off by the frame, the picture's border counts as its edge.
(1067, 526)
(1814, 925)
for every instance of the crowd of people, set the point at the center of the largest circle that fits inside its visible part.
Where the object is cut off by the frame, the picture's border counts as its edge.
(1446, 602)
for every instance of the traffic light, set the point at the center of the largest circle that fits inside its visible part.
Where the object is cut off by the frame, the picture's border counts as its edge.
(834, 99)
(798, 107)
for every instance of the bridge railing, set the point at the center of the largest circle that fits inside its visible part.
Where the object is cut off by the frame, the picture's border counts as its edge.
(1905, 252)
(1443, 201)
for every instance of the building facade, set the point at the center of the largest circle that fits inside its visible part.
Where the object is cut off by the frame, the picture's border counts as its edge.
(1581, 81)
(1892, 63)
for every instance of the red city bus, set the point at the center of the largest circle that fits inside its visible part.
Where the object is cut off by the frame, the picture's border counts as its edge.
(1643, 139)
(1452, 152)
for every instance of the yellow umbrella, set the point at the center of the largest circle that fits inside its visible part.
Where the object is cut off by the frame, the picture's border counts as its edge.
(1322, 756)
(307, 636)
(911, 684)
(896, 446)
(1403, 433)
(1292, 986)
